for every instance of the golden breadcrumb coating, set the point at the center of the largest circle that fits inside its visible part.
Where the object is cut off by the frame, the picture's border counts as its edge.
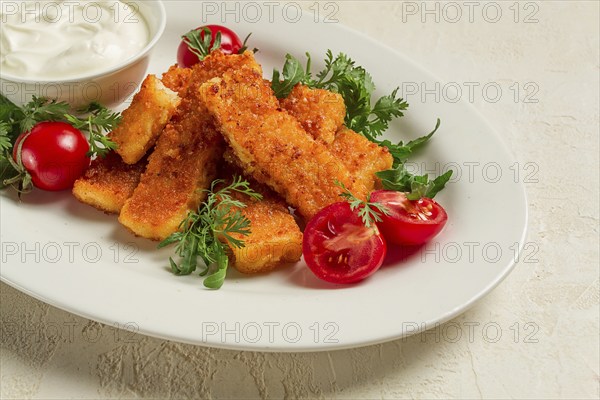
(320, 112)
(108, 182)
(271, 145)
(177, 79)
(184, 160)
(362, 157)
(275, 238)
(144, 120)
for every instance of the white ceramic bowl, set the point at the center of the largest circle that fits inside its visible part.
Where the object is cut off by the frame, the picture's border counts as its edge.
(109, 87)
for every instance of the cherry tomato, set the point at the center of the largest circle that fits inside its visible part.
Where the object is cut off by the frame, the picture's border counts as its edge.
(410, 222)
(339, 248)
(230, 44)
(54, 154)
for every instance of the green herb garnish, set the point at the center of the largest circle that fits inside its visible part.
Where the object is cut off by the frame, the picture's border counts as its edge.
(15, 120)
(370, 212)
(342, 75)
(415, 186)
(207, 232)
(199, 42)
(355, 85)
(99, 120)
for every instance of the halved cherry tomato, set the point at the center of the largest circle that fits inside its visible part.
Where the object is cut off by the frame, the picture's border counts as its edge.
(54, 154)
(339, 248)
(230, 44)
(410, 222)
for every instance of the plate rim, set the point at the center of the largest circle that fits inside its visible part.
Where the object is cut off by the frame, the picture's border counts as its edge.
(506, 270)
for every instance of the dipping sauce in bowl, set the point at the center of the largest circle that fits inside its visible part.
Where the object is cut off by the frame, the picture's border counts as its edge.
(76, 51)
(66, 39)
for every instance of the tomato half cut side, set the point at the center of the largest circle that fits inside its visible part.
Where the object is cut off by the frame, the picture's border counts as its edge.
(339, 248)
(409, 222)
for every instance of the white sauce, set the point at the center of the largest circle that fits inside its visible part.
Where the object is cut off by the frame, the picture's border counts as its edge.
(68, 39)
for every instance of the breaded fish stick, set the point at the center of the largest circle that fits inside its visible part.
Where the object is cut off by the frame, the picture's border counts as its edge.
(362, 157)
(184, 160)
(144, 120)
(271, 145)
(320, 112)
(275, 238)
(177, 79)
(108, 182)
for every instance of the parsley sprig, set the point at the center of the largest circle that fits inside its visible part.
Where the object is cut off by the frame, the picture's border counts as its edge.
(342, 75)
(5, 139)
(369, 212)
(207, 232)
(41, 109)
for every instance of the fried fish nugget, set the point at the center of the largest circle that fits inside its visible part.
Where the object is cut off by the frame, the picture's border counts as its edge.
(108, 182)
(361, 157)
(271, 145)
(144, 120)
(275, 237)
(177, 79)
(184, 160)
(320, 112)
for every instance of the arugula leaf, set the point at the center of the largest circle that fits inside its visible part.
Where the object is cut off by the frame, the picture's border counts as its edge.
(416, 186)
(244, 47)
(438, 184)
(400, 151)
(205, 233)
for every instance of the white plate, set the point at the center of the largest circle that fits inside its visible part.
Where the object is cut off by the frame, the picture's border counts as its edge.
(80, 260)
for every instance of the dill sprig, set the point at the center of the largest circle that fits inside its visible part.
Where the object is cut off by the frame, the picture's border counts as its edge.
(207, 232)
(98, 121)
(370, 212)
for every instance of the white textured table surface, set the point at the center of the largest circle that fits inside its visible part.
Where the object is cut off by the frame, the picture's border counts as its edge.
(535, 336)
